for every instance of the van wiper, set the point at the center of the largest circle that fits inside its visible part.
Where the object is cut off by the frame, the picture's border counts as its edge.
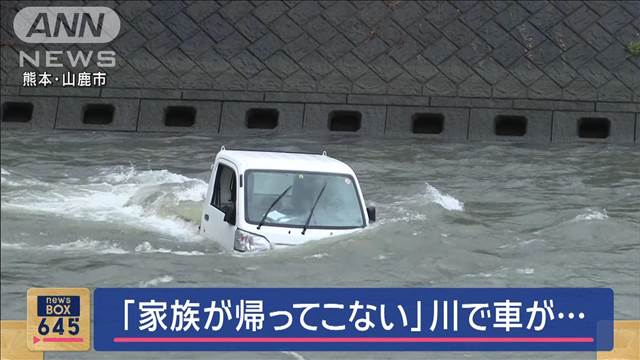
(272, 205)
(306, 224)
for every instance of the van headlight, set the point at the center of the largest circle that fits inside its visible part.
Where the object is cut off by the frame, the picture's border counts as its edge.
(248, 242)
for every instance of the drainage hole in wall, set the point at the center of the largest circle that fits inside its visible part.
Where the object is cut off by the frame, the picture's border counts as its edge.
(345, 120)
(262, 118)
(427, 123)
(179, 116)
(594, 128)
(98, 114)
(510, 125)
(17, 112)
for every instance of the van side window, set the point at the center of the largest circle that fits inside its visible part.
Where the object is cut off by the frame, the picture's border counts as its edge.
(224, 189)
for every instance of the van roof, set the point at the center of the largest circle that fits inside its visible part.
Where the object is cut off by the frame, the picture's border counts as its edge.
(272, 160)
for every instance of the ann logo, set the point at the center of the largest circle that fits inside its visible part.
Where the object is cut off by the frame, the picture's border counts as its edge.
(73, 27)
(66, 24)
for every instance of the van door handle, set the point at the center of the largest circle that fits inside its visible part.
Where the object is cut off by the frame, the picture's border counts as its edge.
(206, 217)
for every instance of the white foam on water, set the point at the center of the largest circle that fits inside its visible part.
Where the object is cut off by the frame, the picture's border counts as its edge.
(446, 201)
(404, 215)
(193, 193)
(294, 355)
(12, 179)
(405, 208)
(525, 271)
(130, 175)
(147, 248)
(410, 209)
(3, 179)
(315, 256)
(155, 200)
(156, 281)
(592, 215)
(479, 275)
(80, 245)
(524, 243)
(14, 246)
(84, 244)
(530, 241)
(412, 216)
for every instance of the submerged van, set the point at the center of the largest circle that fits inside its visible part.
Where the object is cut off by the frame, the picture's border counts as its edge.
(260, 200)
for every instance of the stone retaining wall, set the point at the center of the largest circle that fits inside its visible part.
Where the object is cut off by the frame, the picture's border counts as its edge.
(531, 71)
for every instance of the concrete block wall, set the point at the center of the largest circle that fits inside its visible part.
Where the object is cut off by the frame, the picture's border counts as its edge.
(447, 124)
(189, 116)
(517, 125)
(236, 117)
(526, 71)
(76, 113)
(621, 126)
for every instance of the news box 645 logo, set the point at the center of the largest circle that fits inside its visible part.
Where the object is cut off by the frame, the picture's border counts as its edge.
(58, 319)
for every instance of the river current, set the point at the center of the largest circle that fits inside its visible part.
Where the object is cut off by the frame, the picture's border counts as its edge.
(122, 210)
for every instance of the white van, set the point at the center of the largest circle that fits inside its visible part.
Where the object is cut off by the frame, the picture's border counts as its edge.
(263, 200)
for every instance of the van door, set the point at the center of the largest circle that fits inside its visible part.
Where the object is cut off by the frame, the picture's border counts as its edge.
(222, 200)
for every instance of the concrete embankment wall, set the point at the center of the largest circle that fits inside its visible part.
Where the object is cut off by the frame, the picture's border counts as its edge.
(531, 71)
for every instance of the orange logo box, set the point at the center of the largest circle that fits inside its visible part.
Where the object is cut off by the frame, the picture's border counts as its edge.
(59, 319)
(14, 341)
(626, 341)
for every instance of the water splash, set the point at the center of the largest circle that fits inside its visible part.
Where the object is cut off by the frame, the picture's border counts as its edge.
(155, 200)
(147, 248)
(12, 179)
(80, 245)
(156, 281)
(446, 201)
(294, 355)
(592, 215)
(14, 246)
(4, 179)
(525, 271)
(84, 244)
(315, 256)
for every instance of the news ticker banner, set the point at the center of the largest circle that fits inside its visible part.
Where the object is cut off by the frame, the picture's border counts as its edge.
(345, 319)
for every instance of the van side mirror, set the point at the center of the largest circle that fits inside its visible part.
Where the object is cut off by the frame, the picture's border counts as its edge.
(230, 214)
(371, 213)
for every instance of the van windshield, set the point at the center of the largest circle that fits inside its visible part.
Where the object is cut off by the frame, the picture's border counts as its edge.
(338, 206)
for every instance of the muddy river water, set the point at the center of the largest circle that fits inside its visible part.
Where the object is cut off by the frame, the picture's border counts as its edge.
(122, 210)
